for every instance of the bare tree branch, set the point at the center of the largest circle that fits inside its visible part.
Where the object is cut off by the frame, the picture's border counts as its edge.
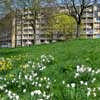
(76, 9)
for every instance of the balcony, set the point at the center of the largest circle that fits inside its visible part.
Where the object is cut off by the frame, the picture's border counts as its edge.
(88, 26)
(97, 27)
(28, 37)
(99, 14)
(89, 10)
(89, 32)
(87, 21)
(97, 21)
(87, 15)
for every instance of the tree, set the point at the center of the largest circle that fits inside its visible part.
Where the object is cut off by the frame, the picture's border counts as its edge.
(76, 9)
(62, 23)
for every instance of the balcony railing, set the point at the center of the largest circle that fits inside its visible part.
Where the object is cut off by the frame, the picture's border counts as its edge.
(88, 15)
(87, 21)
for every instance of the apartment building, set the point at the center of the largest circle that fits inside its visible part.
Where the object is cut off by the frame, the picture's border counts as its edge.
(17, 30)
(24, 32)
(91, 22)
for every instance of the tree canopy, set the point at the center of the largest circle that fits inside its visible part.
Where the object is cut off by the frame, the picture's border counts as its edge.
(63, 23)
(76, 9)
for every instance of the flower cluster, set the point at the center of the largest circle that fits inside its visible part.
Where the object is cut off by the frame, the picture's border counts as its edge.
(85, 78)
(28, 80)
(11, 95)
(31, 79)
(46, 59)
(5, 64)
(43, 95)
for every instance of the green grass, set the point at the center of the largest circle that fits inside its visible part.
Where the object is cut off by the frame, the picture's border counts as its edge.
(67, 55)
(71, 52)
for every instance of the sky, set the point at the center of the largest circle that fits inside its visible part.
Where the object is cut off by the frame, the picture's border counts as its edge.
(1, 6)
(78, 0)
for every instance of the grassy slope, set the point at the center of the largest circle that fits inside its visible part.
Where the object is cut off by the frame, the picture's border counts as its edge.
(67, 54)
(71, 52)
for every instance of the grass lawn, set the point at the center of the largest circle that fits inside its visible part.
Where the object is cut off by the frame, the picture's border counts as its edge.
(67, 56)
(71, 52)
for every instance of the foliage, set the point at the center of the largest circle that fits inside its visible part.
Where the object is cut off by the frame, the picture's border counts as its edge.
(63, 23)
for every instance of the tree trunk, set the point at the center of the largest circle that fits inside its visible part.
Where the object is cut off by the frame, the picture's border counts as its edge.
(34, 28)
(78, 30)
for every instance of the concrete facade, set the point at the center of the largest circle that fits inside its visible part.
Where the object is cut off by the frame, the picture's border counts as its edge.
(91, 22)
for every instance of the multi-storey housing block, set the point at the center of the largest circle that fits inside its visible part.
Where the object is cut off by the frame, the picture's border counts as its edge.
(17, 30)
(21, 30)
(91, 22)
